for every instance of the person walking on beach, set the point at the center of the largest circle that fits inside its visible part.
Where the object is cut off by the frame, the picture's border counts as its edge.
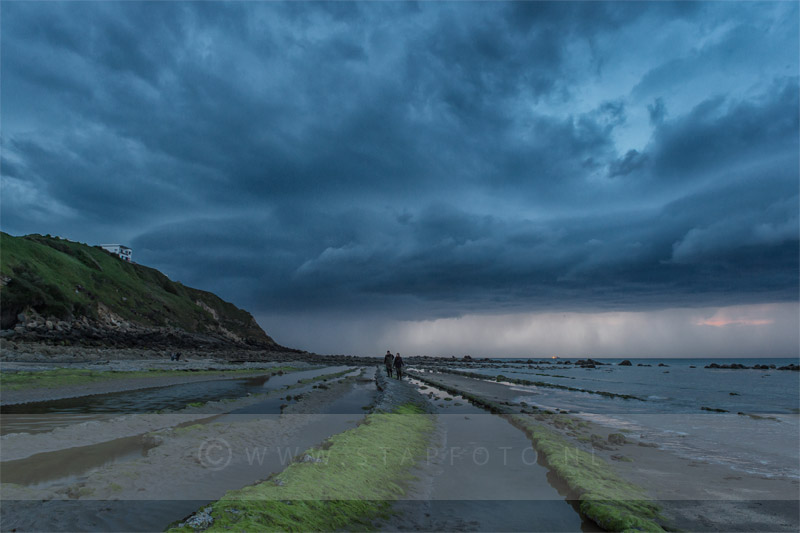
(388, 360)
(398, 365)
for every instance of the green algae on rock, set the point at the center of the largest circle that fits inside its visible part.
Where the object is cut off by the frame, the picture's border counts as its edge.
(66, 377)
(613, 503)
(345, 483)
(607, 499)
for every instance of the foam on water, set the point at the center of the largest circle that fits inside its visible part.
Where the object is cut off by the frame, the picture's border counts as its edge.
(766, 444)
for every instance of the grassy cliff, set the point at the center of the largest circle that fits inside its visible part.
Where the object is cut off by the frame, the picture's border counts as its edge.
(71, 282)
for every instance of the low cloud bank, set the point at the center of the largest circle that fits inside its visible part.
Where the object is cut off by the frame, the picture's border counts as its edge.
(765, 330)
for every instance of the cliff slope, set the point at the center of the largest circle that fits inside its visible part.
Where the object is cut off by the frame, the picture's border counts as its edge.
(56, 289)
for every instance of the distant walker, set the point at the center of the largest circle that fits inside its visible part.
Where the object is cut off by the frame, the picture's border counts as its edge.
(123, 252)
(388, 361)
(398, 366)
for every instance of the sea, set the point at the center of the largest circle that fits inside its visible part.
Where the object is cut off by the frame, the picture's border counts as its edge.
(751, 422)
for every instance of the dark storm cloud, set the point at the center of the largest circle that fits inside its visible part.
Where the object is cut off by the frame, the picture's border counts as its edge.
(657, 111)
(717, 135)
(413, 160)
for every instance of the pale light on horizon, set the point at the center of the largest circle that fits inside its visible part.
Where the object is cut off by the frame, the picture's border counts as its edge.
(763, 330)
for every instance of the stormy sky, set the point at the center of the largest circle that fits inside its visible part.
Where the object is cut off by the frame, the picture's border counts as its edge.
(493, 178)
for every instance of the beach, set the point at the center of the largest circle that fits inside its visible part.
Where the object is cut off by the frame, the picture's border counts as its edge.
(695, 494)
(106, 453)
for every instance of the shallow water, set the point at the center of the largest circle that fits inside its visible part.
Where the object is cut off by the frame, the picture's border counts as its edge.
(66, 466)
(676, 388)
(672, 414)
(356, 401)
(247, 467)
(45, 416)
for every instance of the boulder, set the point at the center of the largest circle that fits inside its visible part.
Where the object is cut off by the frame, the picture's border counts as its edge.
(626, 363)
(200, 520)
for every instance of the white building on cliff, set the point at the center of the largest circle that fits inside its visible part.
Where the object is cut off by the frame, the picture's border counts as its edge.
(124, 253)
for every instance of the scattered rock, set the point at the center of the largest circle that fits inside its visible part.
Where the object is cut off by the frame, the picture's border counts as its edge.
(626, 363)
(598, 442)
(200, 520)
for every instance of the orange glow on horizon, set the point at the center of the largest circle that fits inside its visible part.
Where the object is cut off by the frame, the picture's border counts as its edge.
(719, 322)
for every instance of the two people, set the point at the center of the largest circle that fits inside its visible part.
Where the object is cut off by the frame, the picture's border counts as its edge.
(393, 362)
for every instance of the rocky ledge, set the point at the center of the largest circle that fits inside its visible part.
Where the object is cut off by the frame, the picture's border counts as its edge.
(114, 332)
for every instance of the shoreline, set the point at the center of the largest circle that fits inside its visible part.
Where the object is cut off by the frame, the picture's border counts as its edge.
(692, 495)
(192, 372)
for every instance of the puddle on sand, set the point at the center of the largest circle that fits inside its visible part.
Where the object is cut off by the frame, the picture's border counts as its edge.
(67, 466)
(277, 382)
(354, 402)
(486, 477)
(189, 493)
(45, 416)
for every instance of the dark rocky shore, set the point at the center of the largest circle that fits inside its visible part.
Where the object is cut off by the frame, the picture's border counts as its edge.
(110, 331)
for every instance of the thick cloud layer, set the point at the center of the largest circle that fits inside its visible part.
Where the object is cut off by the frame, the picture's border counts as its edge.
(415, 161)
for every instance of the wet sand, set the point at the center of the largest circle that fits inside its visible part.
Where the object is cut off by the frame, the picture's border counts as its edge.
(184, 467)
(481, 474)
(183, 374)
(67, 432)
(163, 478)
(694, 496)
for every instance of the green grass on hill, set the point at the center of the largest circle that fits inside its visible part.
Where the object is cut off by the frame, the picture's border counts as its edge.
(65, 279)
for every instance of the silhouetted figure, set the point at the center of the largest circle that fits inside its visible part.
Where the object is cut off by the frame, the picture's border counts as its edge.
(398, 366)
(388, 360)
